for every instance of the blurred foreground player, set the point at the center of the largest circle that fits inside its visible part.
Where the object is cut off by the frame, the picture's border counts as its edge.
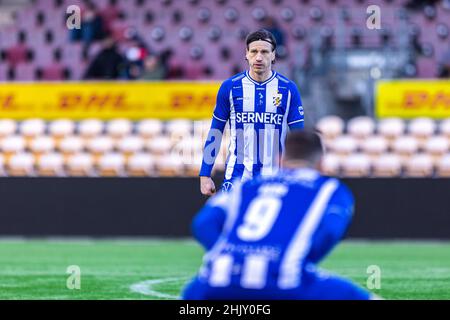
(265, 237)
(260, 106)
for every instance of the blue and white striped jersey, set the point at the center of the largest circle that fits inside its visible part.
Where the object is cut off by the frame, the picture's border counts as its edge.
(272, 229)
(258, 115)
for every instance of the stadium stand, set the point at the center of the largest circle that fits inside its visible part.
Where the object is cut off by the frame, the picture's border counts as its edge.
(189, 38)
(140, 165)
(387, 165)
(80, 164)
(50, 164)
(90, 148)
(209, 31)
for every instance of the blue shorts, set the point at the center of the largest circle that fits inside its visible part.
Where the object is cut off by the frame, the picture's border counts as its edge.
(315, 286)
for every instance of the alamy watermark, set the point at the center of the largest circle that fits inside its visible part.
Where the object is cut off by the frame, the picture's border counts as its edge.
(74, 279)
(374, 19)
(374, 279)
(74, 19)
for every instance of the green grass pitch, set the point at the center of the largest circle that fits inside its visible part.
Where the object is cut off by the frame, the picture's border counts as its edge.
(158, 269)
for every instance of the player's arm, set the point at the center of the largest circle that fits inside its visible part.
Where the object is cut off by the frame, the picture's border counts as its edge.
(221, 115)
(333, 225)
(295, 118)
(210, 151)
(209, 221)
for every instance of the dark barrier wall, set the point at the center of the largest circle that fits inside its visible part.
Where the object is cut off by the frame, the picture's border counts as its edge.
(385, 208)
(401, 208)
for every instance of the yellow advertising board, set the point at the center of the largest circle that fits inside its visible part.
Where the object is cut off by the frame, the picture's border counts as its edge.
(106, 100)
(413, 98)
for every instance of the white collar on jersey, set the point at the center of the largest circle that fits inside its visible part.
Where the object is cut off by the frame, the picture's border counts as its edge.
(274, 73)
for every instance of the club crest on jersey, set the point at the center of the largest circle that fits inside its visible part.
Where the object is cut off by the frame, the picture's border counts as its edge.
(227, 186)
(277, 99)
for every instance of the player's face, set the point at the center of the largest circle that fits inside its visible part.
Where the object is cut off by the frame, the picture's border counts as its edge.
(260, 56)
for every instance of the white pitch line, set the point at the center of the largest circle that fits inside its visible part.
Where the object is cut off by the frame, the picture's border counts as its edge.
(58, 273)
(145, 288)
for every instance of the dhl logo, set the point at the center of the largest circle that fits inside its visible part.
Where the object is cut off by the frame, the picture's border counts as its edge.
(137, 100)
(421, 99)
(93, 100)
(7, 101)
(74, 101)
(186, 100)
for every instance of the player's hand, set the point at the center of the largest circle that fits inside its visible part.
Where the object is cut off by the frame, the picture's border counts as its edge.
(207, 186)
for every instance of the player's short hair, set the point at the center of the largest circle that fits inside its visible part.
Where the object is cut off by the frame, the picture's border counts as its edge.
(261, 34)
(303, 145)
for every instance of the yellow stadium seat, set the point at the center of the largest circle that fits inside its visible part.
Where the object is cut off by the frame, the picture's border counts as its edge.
(344, 145)
(80, 164)
(61, 128)
(160, 145)
(90, 128)
(41, 145)
(374, 146)
(100, 145)
(119, 128)
(422, 129)
(169, 166)
(330, 127)
(21, 164)
(140, 164)
(8, 127)
(50, 164)
(391, 128)
(111, 164)
(443, 166)
(130, 144)
(12, 145)
(178, 128)
(387, 165)
(356, 165)
(361, 127)
(405, 146)
(149, 128)
(419, 165)
(331, 164)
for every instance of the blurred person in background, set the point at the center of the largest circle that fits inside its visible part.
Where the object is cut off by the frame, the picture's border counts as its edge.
(419, 4)
(92, 28)
(444, 65)
(136, 52)
(271, 25)
(154, 68)
(107, 64)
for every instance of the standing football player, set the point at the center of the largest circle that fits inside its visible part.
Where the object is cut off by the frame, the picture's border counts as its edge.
(259, 105)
